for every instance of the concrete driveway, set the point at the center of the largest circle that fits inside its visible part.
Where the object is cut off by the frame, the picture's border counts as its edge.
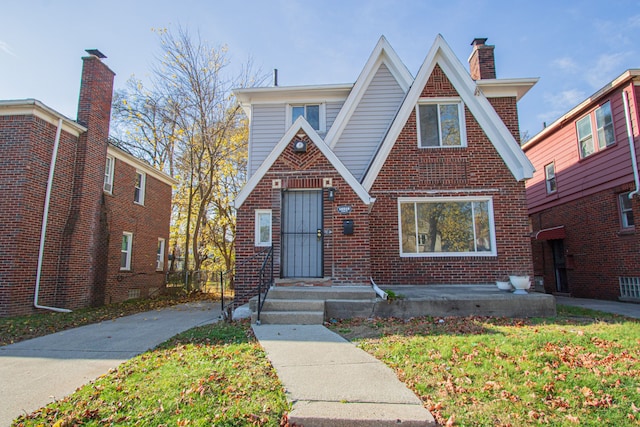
(36, 372)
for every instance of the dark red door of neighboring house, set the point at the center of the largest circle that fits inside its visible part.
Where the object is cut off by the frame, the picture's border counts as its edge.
(560, 266)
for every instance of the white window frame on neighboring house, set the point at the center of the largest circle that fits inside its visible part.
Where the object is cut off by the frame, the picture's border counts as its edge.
(440, 106)
(108, 175)
(625, 205)
(140, 187)
(126, 247)
(160, 254)
(322, 114)
(416, 235)
(600, 120)
(263, 227)
(550, 178)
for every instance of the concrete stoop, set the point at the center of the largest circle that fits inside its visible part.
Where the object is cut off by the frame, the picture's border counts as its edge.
(306, 305)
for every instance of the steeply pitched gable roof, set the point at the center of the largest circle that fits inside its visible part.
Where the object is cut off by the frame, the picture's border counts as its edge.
(441, 54)
(383, 53)
(298, 125)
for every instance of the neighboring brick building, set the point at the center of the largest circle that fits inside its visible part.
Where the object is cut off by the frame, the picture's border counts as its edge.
(404, 180)
(77, 264)
(583, 197)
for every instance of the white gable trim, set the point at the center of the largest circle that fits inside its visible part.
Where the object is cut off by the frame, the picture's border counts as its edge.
(302, 124)
(441, 54)
(383, 53)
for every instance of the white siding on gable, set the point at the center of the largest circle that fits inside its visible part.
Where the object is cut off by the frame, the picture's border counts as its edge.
(267, 127)
(333, 108)
(369, 122)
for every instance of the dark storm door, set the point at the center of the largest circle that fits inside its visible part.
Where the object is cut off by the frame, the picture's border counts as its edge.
(560, 266)
(302, 234)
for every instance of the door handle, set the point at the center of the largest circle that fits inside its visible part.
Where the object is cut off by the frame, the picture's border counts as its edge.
(319, 233)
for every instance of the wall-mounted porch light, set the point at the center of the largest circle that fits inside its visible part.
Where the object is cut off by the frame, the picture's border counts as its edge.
(331, 194)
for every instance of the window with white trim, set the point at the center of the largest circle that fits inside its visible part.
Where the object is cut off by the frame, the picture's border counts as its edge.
(446, 226)
(550, 177)
(108, 175)
(601, 119)
(263, 227)
(125, 251)
(315, 114)
(440, 124)
(160, 255)
(626, 211)
(138, 195)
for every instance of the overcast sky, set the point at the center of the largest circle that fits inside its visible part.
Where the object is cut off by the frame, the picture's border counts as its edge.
(574, 47)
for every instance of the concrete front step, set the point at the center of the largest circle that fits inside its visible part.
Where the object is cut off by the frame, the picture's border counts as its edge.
(293, 305)
(289, 317)
(322, 293)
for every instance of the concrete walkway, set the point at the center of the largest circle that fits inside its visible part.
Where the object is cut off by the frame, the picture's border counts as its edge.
(628, 309)
(331, 382)
(36, 372)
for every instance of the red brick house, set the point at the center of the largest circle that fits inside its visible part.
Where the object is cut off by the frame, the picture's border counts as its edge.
(583, 197)
(81, 222)
(399, 179)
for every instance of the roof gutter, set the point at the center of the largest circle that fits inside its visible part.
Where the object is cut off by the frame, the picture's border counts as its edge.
(632, 148)
(45, 218)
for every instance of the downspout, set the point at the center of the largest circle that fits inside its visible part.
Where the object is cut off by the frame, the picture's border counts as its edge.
(632, 147)
(45, 217)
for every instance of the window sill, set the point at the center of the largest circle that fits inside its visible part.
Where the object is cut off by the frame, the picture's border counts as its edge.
(627, 232)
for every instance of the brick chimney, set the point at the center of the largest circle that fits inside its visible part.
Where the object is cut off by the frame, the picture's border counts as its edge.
(482, 63)
(83, 251)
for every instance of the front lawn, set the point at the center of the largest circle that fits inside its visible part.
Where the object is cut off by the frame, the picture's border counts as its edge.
(211, 375)
(581, 368)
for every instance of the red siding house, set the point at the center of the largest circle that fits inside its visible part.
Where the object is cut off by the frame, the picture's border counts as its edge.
(400, 179)
(583, 197)
(81, 223)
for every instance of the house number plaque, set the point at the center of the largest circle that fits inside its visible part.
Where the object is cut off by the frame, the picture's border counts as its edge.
(345, 209)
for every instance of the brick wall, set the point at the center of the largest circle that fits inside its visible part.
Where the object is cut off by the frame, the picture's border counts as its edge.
(346, 257)
(25, 156)
(597, 250)
(147, 222)
(477, 168)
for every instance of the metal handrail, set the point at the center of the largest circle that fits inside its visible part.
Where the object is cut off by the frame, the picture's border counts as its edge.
(265, 279)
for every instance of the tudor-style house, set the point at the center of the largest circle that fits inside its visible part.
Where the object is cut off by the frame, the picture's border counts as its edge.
(81, 222)
(583, 197)
(400, 179)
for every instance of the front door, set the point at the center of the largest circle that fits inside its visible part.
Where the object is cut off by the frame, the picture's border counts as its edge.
(302, 233)
(560, 266)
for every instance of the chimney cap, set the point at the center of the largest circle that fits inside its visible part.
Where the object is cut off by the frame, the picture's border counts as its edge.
(478, 41)
(96, 52)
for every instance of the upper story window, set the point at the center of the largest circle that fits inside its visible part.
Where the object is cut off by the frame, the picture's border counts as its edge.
(550, 178)
(451, 226)
(440, 124)
(626, 210)
(263, 227)
(313, 113)
(108, 175)
(138, 195)
(602, 121)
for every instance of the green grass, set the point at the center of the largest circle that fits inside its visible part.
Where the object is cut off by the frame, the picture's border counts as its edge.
(19, 328)
(211, 375)
(581, 368)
